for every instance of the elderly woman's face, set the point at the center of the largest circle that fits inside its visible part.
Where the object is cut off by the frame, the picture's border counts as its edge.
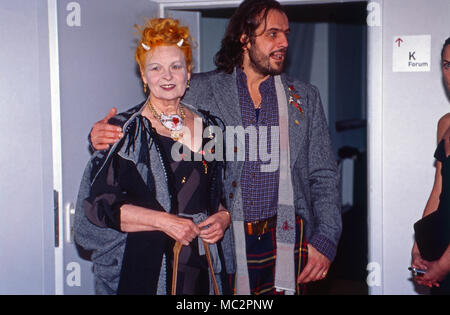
(166, 73)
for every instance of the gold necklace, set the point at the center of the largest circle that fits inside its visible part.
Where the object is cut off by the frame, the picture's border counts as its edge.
(174, 123)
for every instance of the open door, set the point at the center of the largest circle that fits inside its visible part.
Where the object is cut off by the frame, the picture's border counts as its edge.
(93, 50)
(328, 47)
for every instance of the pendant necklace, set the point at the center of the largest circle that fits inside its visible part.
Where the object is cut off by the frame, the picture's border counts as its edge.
(174, 123)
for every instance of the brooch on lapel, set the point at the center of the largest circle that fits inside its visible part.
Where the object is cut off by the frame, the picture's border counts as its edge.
(205, 165)
(294, 99)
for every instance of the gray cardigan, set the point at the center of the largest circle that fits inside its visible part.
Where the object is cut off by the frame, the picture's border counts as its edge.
(108, 244)
(313, 163)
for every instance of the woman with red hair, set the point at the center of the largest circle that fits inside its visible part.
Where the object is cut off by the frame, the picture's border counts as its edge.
(156, 187)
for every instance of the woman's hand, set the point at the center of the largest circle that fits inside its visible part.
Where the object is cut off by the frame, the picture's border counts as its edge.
(137, 219)
(437, 270)
(418, 262)
(213, 228)
(180, 229)
(416, 259)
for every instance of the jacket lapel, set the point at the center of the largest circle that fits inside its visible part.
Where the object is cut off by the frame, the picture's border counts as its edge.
(226, 98)
(297, 123)
(227, 102)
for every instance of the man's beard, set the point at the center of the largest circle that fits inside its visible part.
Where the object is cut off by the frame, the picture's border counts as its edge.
(261, 63)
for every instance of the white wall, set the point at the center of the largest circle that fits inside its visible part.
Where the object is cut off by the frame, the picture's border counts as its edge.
(412, 103)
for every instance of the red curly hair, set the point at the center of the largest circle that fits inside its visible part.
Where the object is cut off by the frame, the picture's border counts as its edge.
(163, 32)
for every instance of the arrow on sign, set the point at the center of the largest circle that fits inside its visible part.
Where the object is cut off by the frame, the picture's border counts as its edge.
(399, 41)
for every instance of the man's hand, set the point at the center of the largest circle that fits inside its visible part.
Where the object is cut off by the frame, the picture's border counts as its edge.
(104, 134)
(316, 267)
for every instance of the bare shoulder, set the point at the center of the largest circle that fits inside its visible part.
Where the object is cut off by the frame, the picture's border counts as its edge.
(443, 125)
(444, 121)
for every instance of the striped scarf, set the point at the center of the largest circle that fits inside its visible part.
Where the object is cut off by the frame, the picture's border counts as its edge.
(285, 232)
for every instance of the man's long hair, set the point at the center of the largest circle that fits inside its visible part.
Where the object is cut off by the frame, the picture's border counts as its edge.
(245, 20)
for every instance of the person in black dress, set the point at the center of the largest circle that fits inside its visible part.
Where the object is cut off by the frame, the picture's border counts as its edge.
(437, 275)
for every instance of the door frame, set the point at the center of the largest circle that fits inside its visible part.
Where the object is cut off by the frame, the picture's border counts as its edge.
(56, 143)
(374, 121)
(374, 118)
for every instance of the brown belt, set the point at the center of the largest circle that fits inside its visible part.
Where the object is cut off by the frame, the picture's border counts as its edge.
(260, 227)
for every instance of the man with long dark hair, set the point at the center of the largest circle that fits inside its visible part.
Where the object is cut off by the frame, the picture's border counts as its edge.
(286, 219)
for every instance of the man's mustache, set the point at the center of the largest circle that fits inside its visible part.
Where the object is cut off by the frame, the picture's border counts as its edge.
(283, 50)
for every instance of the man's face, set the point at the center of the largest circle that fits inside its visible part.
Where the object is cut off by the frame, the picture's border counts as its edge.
(267, 51)
(446, 67)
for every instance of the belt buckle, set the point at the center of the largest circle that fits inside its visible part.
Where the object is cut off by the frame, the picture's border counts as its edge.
(265, 227)
(258, 228)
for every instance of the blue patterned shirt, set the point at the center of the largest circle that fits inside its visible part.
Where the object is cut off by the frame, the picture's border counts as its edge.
(259, 189)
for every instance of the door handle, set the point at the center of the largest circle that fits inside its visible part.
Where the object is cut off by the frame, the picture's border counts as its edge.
(70, 216)
(56, 216)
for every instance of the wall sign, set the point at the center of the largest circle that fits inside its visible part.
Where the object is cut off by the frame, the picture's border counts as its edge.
(411, 53)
